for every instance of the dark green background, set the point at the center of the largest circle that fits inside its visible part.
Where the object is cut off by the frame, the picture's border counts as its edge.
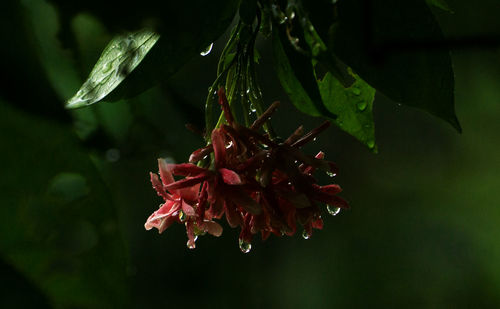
(423, 230)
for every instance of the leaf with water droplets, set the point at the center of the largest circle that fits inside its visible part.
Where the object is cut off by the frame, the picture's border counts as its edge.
(391, 52)
(117, 61)
(296, 75)
(353, 106)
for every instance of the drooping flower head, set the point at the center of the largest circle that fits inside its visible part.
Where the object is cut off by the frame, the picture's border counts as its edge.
(257, 183)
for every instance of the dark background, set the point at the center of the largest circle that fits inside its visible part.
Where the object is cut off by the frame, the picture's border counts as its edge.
(423, 229)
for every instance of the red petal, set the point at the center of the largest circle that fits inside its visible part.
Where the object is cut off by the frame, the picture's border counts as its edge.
(225, 106)
(240, 198)
(318, 224)
(187, 182)
(232, 216)
(199, 154)
(190, 234)
(230, 177)
(185, 169)
(219, 147)
(331, 189)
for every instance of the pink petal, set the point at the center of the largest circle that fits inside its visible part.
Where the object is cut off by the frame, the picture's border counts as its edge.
(230, 177)
(158, 186)
(188, 209)
(166, 176)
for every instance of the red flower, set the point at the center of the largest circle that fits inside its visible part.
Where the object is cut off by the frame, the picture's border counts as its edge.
(259, 184)
(178, 207)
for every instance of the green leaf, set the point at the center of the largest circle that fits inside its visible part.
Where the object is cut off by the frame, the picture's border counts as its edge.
(386, 47)
(184, 34)
(296, 75)
(441, 4)
(119, 59)
(58, 226)
(353, 106)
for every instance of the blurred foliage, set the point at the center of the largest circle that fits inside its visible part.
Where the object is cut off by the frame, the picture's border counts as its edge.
(75, 192)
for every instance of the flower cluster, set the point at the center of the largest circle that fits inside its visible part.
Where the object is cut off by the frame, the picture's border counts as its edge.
(259, 184)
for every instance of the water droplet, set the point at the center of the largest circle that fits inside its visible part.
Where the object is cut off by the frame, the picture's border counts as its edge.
(371, 143)
(331, 174)
(182, 216)
(356, 91)
(314, 139)
(305, 235)
(108, 66)
(191, 245)
(207, 50)
(399, 104)
(248, 90)
(332, 210)
(229, 145)
(252, 108)
(361, 105)
(245, 247)
(296, 161)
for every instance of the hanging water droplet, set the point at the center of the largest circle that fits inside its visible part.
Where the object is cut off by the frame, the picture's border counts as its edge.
(331, 174)
(245, 247)
(191, 244)
(207, 50)
(182, 216)
(356, 91)
(248, 90)
(361, 105)
(305, 235)
(296, 161)
(314, 139)
(332, 210)
(252, 108)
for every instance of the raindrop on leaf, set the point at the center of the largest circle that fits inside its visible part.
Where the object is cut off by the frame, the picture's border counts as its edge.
(361, 105)
(207, 50)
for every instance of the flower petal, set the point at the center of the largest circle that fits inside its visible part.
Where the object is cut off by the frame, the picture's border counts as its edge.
(188, 209)
(212, 227)
(240, 198)
(219, 147)
(230, 177)
(188, 182)
(158, 186)
(166, 176)
(185, 169)
(232, 216)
